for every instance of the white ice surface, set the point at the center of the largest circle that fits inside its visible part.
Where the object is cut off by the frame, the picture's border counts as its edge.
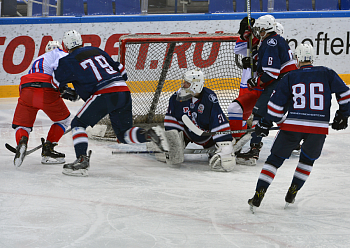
(136, 201)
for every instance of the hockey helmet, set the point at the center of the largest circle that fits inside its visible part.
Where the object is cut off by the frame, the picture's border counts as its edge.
(304, 53)
(191, 85)
(72, 39)
(53, 45)
(279, 29)
(266, 24)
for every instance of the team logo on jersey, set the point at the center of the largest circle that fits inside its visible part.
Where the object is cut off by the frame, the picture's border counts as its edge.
(192, 105)
(272, 42)
(194, 116)
(200, 108)
(213, 98)
(186, 109)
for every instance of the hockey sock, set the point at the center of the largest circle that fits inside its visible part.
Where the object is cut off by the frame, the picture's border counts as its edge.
(21, 132)
(266, 176)
(80, 141)
(301, 174)
(134, 135)
(235, 116)
(55, 133)
(255, 139)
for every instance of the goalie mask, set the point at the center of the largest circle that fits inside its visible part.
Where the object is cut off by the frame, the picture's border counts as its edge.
(191, 85)
(72, 39)
(264, 25)
(52, 45)
(304, 53)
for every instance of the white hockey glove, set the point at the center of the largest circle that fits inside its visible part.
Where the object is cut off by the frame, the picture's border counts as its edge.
(224, 159)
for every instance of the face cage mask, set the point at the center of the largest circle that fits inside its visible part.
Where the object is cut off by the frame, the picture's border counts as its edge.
(184, 94)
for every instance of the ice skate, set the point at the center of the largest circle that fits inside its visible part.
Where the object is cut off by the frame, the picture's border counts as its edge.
(157, 135)
(20, 151)
(291, 194)
(79, 167)
(256, 200)
(250, 157)
(49, 155)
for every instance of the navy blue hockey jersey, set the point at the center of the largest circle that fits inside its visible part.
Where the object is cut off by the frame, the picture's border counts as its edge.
(274, 58)
(205, 112)
(308, 92)
(92, 71)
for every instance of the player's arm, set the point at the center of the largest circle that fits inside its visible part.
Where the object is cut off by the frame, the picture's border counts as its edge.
(170, 119)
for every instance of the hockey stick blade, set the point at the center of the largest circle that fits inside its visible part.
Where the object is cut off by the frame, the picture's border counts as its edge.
(13, 149)
(10, 148)
(186, 120)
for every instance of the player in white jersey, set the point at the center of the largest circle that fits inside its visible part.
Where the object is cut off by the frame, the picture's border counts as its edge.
(38, 93)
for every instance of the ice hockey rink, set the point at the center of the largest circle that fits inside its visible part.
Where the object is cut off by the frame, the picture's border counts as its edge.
(136, 201)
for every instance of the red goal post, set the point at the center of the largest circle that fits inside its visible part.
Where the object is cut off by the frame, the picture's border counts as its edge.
(155, 65)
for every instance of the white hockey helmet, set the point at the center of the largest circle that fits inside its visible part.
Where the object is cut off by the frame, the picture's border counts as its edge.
(53, 45)
(279, 29)
(304, 53)
(72, 39)
(195, 78)
(265, 23)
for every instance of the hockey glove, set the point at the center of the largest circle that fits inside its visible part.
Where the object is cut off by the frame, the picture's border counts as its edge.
(252, 83)
(262, 128)
(244, 30)
(69, 94)
(340, 121)
(246, 63)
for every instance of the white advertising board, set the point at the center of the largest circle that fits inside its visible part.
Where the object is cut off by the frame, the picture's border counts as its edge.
(21, 44)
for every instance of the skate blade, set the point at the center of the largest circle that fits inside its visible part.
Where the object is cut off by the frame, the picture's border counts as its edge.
(252, 209)
(49, 160)
(286, 206)
(18, 161)
(248, 162)
(75, 173)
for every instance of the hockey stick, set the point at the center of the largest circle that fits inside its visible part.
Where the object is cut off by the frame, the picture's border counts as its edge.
(186, 151)
(186, 120)
(12, 149)
(250, 48)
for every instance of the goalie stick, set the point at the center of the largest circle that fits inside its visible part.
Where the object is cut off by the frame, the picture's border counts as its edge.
(13, 149)
(186, 120)
(186, 151)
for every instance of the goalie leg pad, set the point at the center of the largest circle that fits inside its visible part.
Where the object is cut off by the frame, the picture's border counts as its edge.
(224, 159)
(176, 143)
(151, 146)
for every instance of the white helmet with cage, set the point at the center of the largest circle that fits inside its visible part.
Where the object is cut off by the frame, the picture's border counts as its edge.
(72, 39)
(53, 45)
(304, 53)
(279, 29)
(192, 84)
(265, 23)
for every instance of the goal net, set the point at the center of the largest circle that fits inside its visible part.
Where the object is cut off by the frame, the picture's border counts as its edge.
(155, 65)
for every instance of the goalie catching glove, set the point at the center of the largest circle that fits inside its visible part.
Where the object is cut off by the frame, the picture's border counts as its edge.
(224, 159)
(69, 94)
(340, 121)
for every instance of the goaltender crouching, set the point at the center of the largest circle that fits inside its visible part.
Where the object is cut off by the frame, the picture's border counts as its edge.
(201, 105)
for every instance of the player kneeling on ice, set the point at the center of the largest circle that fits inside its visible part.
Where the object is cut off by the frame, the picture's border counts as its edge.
(100, 82)
(307, 92)
(201, 105)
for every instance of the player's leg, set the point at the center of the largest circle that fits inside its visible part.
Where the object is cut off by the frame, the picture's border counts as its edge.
(121, 119)
(281, 149)
(23, 121)
(93, 110)
(57, 111)
(310, 151)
